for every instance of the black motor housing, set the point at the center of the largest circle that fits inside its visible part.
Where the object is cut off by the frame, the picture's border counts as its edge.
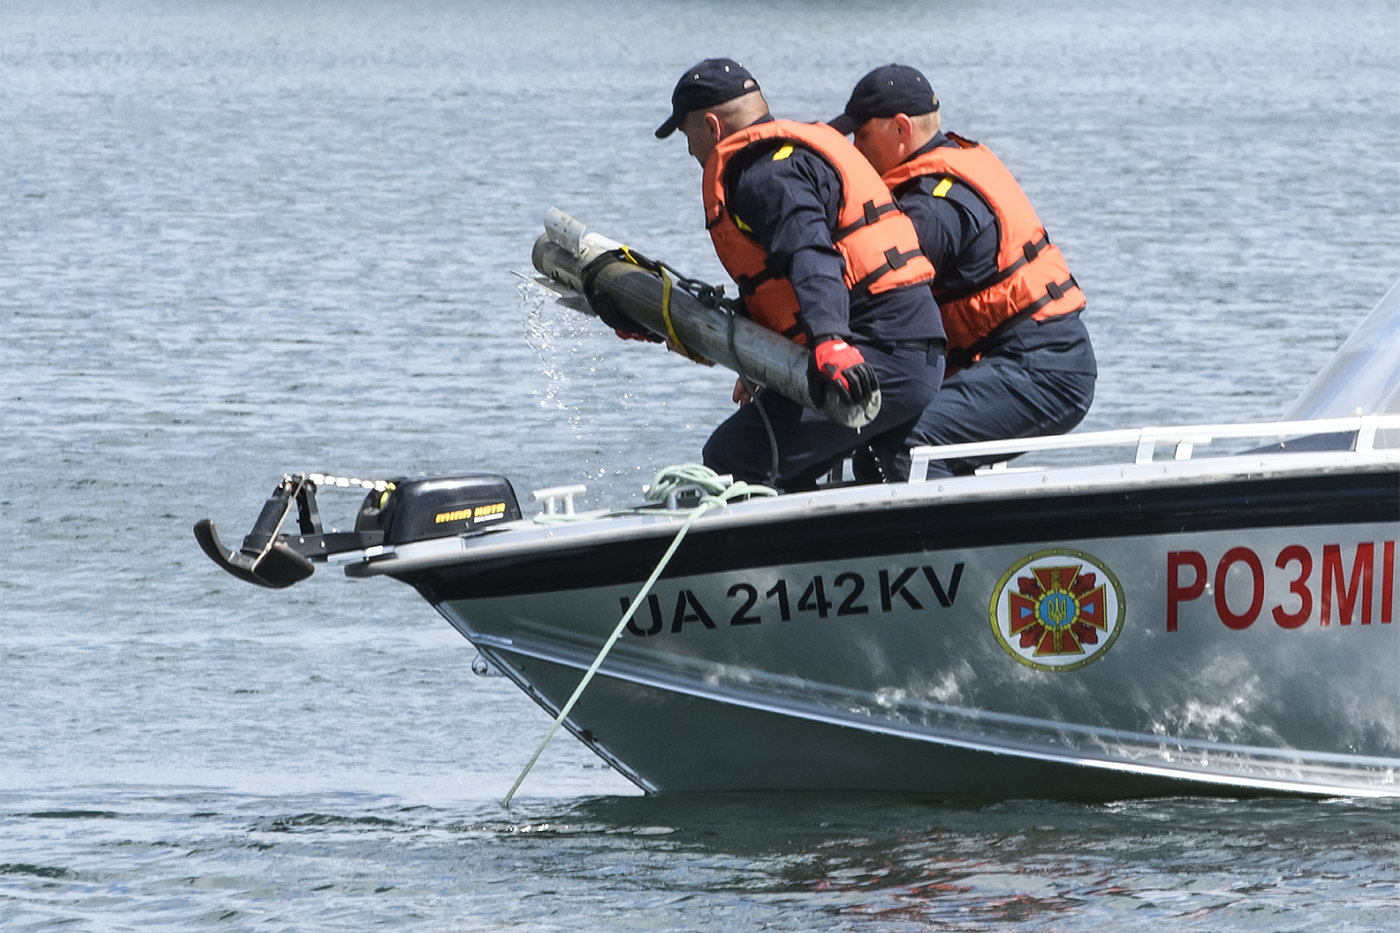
(420, 508)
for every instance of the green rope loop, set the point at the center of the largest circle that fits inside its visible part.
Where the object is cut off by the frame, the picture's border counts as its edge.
(717, 495)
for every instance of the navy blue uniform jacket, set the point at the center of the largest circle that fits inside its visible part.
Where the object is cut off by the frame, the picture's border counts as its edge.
(792, 205)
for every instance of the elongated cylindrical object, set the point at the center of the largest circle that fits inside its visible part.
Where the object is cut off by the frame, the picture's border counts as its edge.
(760, 355)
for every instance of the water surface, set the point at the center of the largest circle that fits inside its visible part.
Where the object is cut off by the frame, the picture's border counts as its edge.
(243, 238)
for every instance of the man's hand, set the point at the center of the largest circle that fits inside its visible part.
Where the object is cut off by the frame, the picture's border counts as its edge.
(835, 364)
(642, 335)
(741, 394)
(637, 335)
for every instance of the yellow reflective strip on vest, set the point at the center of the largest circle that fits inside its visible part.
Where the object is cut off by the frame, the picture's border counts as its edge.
(782, 154)
(943, 188)
(740, 224)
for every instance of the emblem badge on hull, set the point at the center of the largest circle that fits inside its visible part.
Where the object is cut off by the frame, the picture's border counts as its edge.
(1057, 610)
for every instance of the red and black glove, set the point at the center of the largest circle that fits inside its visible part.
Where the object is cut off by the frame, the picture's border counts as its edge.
(836, 365)
(644, 335)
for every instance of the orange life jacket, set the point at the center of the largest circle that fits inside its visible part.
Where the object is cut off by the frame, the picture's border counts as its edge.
(1032, 278)
(877, 242)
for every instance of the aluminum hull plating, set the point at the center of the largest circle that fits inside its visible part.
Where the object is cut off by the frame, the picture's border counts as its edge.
(1231, 628)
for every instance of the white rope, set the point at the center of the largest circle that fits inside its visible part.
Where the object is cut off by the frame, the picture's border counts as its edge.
(717, 495)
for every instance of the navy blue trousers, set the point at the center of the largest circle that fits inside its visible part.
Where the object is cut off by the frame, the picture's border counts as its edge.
(1038, 379)
(810, 444)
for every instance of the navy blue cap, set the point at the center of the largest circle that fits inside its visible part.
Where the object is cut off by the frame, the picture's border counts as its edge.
(710, 83)
(886, 91)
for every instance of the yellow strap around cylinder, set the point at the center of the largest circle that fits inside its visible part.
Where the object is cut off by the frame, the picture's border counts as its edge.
(670, 325)
(665, 304)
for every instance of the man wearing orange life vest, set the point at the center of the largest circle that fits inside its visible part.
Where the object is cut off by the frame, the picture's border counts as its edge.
(1019, 359)
(821, 255)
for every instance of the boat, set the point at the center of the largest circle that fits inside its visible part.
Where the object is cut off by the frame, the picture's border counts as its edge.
(1198, 609)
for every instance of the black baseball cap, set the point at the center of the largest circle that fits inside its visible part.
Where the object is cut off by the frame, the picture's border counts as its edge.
(886, 91)
(711, 82)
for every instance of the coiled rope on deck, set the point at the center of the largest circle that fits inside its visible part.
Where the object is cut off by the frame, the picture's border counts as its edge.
(717, 494)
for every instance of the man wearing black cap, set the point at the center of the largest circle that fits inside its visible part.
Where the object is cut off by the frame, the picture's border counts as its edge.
(821, 255)
(1019, 359)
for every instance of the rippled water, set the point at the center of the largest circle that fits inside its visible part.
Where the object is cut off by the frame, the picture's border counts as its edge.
(244, 238)
(339, 861)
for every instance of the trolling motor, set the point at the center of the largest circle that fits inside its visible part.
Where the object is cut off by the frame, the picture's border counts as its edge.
(393, 512)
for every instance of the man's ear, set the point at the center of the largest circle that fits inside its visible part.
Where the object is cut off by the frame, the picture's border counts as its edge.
(714, 127)
(904, 127)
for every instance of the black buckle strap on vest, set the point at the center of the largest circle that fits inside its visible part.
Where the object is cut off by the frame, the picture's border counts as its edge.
(894, 259)
(1054, 291)
(748, 284)
(1030, 252)
(963, 357)
(872, 215)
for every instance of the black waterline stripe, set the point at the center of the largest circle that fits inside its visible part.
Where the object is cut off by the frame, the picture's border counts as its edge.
(1315, 500)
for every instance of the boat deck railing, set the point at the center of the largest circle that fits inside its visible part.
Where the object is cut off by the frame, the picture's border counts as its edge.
(1185, 439)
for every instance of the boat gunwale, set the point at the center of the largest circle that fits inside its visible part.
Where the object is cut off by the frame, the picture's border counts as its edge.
(527, 537)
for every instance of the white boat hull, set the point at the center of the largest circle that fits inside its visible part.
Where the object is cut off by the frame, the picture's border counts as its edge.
(1198, 662)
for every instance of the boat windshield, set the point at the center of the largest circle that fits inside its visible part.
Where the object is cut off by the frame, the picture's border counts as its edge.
(1363, 377)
